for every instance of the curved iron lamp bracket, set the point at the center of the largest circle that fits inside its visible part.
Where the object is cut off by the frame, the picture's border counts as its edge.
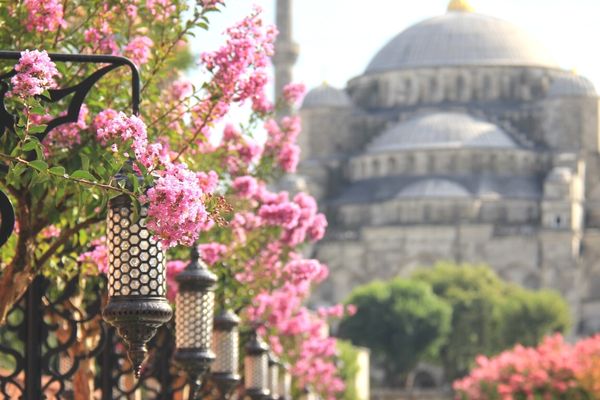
(79, 91)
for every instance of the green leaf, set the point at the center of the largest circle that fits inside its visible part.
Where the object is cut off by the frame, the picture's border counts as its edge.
(85, 162)
(31, 145)
(60, 171)
(37, 128)
(81, 174)
(39, 165)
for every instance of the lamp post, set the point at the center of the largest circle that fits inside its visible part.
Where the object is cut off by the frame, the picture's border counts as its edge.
(194, 312)
(285, 383)
(256, 368)
(137, 304)
(274, 370)
(224, 371)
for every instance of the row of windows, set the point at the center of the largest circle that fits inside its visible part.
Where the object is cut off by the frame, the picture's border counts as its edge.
(408, 162)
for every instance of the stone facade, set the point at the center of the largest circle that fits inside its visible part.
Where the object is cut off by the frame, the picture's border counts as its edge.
(471, 147)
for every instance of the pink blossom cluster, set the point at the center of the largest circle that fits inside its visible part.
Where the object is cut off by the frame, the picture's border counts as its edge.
(311, 350)
(161, 9)
(98, 256)
(138, 50)
(210, 3)
(553, 369)
(102, 39)
(238, 70)
(240, 151)
(176, 212)
(116, 127)
(294, 92)
(212, 252)
(35, 74)
(44, 15)
(281, 142)
(67, 135)
(174, 267)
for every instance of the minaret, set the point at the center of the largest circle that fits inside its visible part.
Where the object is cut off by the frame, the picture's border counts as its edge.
(286, 51)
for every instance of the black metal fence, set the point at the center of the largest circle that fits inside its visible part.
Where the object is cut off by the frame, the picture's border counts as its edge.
(55, 345)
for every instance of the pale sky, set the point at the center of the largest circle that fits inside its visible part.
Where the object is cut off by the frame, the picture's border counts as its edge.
(338, 38)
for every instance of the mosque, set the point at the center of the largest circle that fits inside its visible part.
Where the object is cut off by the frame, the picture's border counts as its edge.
(463, 140)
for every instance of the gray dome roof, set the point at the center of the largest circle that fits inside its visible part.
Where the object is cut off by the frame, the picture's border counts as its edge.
(441, 130)
(461, 38)
(433, 188)
(572, 86)
(326, 96)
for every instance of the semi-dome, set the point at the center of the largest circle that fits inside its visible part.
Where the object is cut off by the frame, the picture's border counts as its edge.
(433, 188)
(572, 86)
(439, 131)
(461, 38)
(326, 96)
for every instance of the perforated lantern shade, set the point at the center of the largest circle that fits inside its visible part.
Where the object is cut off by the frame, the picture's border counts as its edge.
(137, 305)
(274, 366)
(224, 370)
(256, 368)
(194, 313)
(285, 383)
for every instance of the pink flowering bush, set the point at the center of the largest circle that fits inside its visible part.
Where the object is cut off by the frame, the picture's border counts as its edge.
(194, 189)
(552, 370)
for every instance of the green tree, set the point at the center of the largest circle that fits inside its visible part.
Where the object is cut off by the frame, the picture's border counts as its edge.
(401, 321)
(529, 316)
(488, 314)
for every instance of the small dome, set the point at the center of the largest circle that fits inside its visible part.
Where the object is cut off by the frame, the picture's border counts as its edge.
(441, 130)
(326, 96)
(433, 188)
(572, 86)
(461, 38)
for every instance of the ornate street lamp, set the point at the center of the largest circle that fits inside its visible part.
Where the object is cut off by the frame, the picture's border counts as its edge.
(194, 313)
(274, 365)
(256, 368)
(224, 370)
(137, 304)
(285, 383)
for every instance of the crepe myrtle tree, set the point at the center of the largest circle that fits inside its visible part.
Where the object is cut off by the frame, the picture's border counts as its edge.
(199, 183)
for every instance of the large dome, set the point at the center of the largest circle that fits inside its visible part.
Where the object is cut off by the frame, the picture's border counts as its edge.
(440, 131)
(461, 38)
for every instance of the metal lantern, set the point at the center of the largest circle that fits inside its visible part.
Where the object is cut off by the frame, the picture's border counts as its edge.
(224, 370)
(256, 368)
(274, 365)
(194, 312)
(137, 304)
(285, 383)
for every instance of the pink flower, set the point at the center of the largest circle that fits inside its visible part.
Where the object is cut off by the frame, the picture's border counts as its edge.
(285, 214)
(51, 231)
(176, 213)
(112, 126)
(35, 73)
(98, 256)
(182, 89)
(174, 268)
(138, 50)
(44, 15)
(160, 9)
(289, 157)
(102, 39)
(293, 92)
(245, 186)
(67, 135)
(318, 227)
(212, 252)
(210, 3)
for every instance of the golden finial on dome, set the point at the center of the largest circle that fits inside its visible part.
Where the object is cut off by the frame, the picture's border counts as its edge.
(460, 5)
